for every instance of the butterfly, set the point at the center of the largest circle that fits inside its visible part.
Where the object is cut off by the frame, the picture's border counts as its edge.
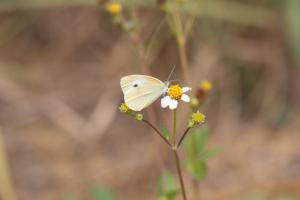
(140, 90)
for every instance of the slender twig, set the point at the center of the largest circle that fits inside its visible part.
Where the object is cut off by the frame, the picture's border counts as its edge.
(181, 39)
(183, 136)
(189, 25)
(181, 42)
(154, 35)
(158, 132)
(179, 173)
(174, 127)
(175, 148)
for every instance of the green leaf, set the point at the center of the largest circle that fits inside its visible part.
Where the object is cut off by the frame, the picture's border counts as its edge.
(167, 186)
(195, 148)
(212, 153)
(165, 132)
(197, 169)
(196, 142)
(172, 194)
(201, 138)
(100, 193)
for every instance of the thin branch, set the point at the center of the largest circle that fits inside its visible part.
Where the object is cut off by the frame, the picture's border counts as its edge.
(178, 167)
(183, 136)
(189, 25)
(158, 132)
(154, 35)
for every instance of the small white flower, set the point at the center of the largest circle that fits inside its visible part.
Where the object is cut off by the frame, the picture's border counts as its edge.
(175, 93)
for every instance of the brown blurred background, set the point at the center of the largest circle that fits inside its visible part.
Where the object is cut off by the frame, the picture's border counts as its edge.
(61, 132)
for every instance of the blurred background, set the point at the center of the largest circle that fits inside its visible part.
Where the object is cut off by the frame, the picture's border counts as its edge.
(61, 134)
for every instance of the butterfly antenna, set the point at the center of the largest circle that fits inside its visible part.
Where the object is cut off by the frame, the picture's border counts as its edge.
(175, 80)
(171, 73)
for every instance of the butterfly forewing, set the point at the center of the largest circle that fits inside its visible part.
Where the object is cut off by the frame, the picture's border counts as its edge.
(140, 90)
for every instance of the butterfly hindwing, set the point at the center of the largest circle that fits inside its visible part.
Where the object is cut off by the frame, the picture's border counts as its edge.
(140, 90)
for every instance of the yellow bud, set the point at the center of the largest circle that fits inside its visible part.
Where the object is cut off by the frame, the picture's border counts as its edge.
(124, 108)
(114, 8)
(206, 85)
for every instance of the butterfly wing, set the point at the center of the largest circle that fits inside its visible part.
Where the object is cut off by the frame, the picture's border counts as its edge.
(141, 90)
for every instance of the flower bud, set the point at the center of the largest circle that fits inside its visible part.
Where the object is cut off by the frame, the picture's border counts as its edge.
(124, 108)
(139, 117)
(113, 8)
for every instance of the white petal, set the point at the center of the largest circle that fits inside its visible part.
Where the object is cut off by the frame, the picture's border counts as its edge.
(185, 89)
(185, 98)
(164, 101)
(173, 104)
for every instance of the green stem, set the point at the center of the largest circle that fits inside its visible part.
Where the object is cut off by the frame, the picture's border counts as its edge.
(181, 42)
(175, 148)
(183, 136)
(174, 127)
(179, 173)
(181, 38)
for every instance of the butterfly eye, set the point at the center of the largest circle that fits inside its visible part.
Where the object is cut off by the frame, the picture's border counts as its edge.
(135, 85)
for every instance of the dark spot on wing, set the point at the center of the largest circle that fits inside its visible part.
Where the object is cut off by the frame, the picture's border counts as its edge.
(135, 85)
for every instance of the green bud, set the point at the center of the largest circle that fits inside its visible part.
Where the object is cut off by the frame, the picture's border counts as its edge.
(194, 103)
(139, 117)
(191, 124)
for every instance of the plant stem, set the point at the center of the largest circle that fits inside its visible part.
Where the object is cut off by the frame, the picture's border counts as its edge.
(181, 38)
(174, 127)
(181, 42)
(183, 136)
(174, 148)
(179, 173)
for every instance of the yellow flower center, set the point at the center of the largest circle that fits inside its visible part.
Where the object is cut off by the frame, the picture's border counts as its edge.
(206, 86)
(198, 117)
(114, 8)
(175, 92)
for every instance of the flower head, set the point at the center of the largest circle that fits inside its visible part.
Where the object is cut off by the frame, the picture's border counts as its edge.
(175, 93)
(113, 8)
(197, 118)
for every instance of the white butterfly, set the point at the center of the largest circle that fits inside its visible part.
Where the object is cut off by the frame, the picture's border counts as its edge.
(141, 90)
